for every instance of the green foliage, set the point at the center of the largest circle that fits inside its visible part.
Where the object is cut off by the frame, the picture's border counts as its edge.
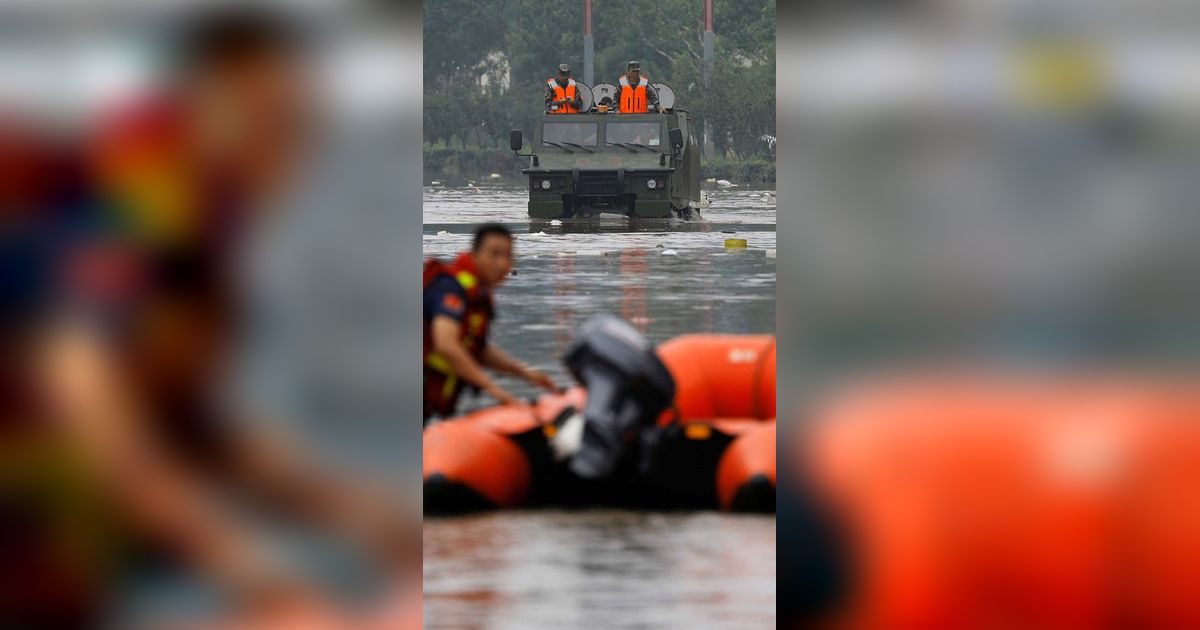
(754, 170)
(464, 39)
(454, 164)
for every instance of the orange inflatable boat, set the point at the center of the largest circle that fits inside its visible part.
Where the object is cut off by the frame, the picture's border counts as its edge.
(711, 445)
(982, 502)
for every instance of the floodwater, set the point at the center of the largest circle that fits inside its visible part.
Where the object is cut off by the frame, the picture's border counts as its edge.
(600, 569)
(667, 278)
(608, 569)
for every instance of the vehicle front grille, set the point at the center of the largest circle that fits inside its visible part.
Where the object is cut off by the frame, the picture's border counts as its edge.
(603, 183)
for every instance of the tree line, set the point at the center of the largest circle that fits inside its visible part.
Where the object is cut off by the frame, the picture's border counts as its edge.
(467, 39)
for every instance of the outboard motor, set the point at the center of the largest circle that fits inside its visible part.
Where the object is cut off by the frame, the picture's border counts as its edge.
(628, 387)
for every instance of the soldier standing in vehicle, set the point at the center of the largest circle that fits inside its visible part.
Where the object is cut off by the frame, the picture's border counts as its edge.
(636, 95)
(562, 96)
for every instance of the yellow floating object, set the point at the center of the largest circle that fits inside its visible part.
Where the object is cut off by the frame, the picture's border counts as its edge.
(735, 243)
(1059, 75)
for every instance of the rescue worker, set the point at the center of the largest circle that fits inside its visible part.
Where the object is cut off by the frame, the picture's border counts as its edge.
(636, 95)
(562, 97)
(123, 376)
(458, 310)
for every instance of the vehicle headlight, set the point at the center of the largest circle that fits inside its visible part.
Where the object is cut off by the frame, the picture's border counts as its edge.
(545, 184)
(651, 184)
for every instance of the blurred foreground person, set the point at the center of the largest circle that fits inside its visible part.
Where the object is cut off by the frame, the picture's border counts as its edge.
(131, 353)
(458, 311)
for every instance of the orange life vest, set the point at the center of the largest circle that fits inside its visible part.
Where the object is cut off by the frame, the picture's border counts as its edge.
(442, 384)
(633, 98)
(561, 93)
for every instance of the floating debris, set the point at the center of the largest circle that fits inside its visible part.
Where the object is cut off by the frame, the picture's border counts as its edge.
(494, 176)
(555, 222)
(669, 252)
(725, 183)
(443, 233)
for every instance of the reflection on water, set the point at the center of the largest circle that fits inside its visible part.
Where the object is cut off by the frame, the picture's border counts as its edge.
(606, 569)
(600, 569)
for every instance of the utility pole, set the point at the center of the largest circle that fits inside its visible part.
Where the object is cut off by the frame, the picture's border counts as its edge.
(708, 69)
(587, 42)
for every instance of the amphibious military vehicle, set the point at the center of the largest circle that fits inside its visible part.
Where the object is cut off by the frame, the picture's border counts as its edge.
(599, 161)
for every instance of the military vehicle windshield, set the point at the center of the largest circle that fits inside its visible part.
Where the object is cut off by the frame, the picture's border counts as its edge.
(647, 134)
(576, 133)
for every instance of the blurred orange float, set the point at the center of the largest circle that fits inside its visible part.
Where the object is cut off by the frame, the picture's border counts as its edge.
(715, 447)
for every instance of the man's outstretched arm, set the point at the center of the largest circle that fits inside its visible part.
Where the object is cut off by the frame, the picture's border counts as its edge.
(95, 411)
(500, 360)
(447, 341)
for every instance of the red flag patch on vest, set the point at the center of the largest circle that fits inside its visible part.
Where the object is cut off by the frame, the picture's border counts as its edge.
(453, 303)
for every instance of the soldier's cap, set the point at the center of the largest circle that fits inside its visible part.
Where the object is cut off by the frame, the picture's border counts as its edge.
(564, 68)
(635, 65)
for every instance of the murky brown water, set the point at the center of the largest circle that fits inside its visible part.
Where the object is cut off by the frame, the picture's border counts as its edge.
(600, 569)
(608, 569)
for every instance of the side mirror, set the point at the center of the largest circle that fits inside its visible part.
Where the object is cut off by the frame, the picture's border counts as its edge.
(677, 139)
(514, 140)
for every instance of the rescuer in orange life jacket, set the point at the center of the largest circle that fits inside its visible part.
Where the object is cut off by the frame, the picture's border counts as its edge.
(458, 310)
(562, 97)
(635, 94)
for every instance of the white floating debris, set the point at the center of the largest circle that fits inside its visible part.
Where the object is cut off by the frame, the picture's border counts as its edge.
(435, 183)
(537, 234)
(443, 233)
(725, 183)
(770, 253)
(669, 252)
(494, 176)
(711, 180)
(555, 222)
